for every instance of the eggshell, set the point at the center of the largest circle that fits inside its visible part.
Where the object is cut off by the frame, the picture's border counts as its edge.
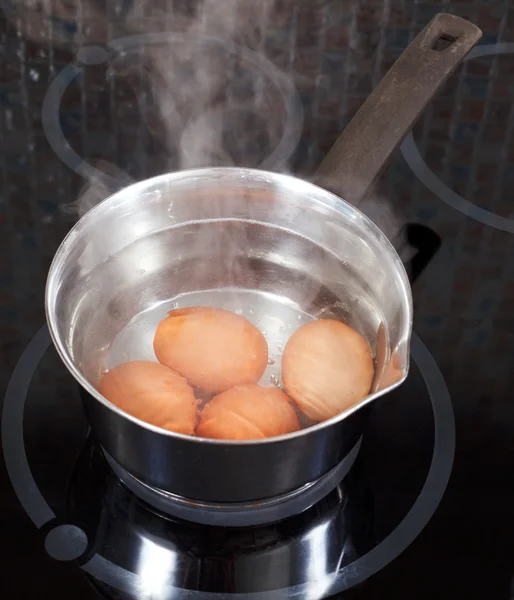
(153, 393)
(214, 349)
(327, 368)
(248, 412)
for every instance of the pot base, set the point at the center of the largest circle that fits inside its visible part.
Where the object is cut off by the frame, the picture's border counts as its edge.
(236, 514)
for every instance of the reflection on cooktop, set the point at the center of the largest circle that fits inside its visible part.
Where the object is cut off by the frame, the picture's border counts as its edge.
(165, 552)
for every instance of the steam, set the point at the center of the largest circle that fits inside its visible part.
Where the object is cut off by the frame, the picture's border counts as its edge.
(206, 94)
(378, 207)
(207, 100)
(108, 179)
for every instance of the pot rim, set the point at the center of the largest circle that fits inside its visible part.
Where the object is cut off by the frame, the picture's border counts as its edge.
(60, 255)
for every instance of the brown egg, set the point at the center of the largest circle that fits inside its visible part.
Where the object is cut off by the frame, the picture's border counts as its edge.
(153, 393)
(248, 412)
(327, 368)
(213, 348)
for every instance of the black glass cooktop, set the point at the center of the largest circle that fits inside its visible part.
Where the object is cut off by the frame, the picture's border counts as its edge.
(426, 507)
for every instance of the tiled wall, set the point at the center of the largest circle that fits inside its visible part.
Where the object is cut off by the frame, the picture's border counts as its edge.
(335, 51)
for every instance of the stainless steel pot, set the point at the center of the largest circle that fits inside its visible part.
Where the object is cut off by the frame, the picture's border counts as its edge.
(274, 248)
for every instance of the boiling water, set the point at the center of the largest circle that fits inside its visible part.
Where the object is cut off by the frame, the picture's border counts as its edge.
(276, 279)
(275, 316)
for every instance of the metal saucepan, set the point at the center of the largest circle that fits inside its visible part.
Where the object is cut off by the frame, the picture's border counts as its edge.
(274, 248)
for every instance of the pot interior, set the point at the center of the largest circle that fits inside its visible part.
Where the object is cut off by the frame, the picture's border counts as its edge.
(277, 250)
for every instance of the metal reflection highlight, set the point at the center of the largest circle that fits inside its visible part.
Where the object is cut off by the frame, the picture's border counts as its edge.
(156, 568)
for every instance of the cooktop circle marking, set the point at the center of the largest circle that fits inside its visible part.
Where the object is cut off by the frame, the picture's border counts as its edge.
(419, 167)
(13, 445)
(92, 55)
(293, 122)
(66, 542)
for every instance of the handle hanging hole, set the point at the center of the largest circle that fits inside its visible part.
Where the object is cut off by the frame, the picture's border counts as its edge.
(443, 41)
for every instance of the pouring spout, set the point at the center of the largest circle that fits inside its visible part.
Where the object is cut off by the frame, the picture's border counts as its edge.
(392, 366)
(395, 371)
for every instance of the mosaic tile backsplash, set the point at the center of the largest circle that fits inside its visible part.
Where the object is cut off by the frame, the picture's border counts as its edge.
(334, 52)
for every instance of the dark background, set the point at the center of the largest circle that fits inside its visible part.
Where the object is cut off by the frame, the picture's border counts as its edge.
(335, 51)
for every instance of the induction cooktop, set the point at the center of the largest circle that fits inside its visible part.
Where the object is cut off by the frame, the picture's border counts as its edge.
(87, 521)
(424, 508)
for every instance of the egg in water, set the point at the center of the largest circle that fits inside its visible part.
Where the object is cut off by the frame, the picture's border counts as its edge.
(152, 393)
(248, 412)
(213, 349)
(327, 368)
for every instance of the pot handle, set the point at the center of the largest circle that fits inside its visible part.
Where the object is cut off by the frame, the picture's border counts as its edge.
(364, 147)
